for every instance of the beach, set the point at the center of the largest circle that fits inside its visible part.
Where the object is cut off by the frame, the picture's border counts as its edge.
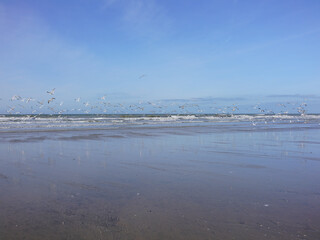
(160, 177)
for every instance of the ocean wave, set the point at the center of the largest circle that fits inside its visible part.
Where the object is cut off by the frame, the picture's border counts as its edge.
(79, 121)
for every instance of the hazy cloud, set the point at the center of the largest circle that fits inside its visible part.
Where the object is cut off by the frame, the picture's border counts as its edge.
(145, 18)
(276, 41)
(208, 99)
(33, 57)
(309, 96)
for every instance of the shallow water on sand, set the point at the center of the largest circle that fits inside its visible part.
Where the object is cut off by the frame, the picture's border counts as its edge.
(196, 182)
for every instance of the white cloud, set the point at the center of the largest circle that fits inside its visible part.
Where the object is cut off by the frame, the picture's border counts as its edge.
(108, 3)
(141, 18)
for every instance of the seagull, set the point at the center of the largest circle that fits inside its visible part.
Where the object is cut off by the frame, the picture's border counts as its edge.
(50, 100)
(51, 92)
(29, 99)
(16, 97)
(10, 109)
(142, 76)
(77, 99)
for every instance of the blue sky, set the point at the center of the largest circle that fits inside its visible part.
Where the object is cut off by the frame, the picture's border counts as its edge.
(132, 50)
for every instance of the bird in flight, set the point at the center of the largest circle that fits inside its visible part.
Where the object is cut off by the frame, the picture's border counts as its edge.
(29, 99)
(86, 104)
(50, 100)
(10, 109)
(51, 92)
(142, 76)
(16, 97)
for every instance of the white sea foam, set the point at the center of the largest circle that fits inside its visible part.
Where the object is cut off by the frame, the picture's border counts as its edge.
(81, 121)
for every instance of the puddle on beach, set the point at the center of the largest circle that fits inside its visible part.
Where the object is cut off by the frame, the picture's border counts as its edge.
(160, 185)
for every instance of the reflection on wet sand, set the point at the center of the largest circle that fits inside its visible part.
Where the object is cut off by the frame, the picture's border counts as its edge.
(153, 184)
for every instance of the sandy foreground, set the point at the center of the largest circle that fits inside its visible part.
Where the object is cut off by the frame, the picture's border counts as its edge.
(196, 182)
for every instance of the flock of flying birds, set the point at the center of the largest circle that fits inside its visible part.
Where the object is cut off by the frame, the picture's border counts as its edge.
(37, 107)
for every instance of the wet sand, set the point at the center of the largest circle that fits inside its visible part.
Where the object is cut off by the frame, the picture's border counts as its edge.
(161, 183)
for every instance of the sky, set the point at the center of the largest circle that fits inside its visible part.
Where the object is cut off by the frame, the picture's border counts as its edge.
(155, 50)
